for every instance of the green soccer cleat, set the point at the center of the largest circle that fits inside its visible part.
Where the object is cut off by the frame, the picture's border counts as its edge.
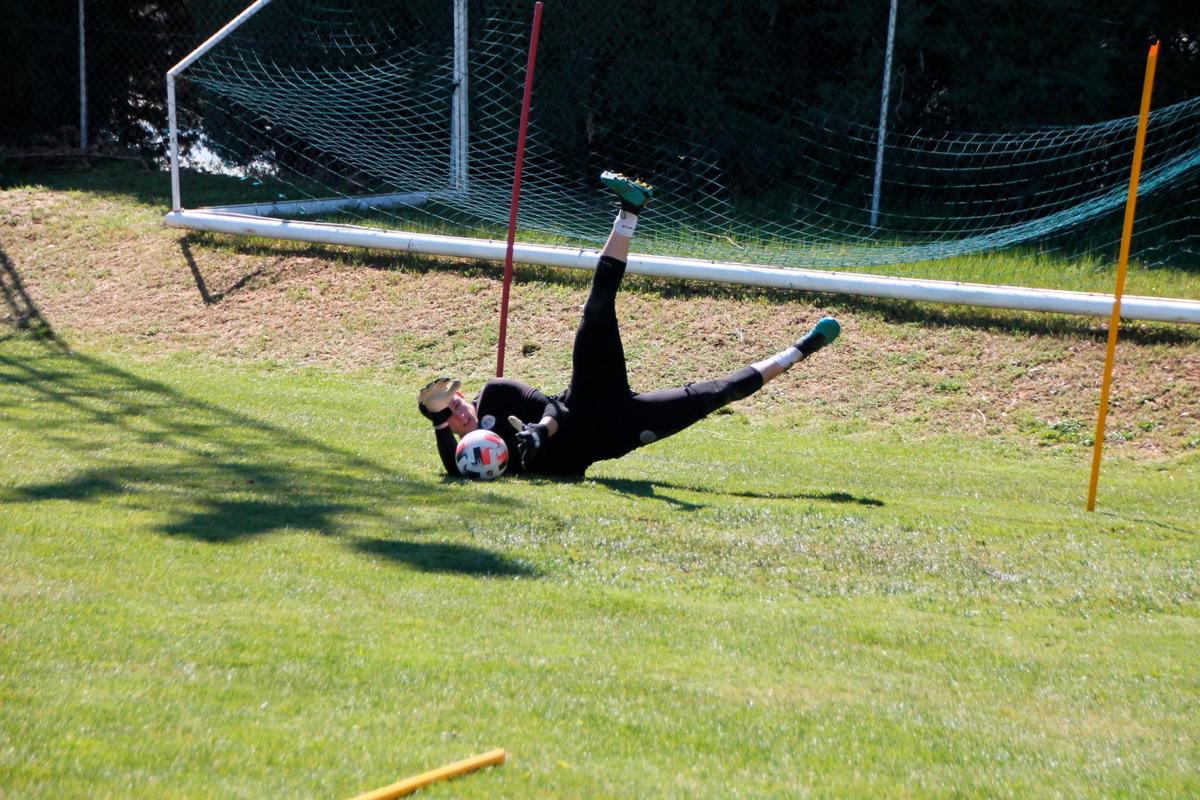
(632, 193)
(824, 332)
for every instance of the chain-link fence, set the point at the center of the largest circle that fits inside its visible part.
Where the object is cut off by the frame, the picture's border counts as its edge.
(90, 72)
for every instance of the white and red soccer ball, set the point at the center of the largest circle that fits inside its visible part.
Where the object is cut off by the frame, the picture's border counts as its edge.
(481, 454)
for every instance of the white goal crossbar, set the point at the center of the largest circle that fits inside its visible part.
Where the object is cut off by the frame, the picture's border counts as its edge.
(972, 294)
(253, 220)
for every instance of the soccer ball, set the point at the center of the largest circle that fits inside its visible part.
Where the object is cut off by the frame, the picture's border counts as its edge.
(481, 454)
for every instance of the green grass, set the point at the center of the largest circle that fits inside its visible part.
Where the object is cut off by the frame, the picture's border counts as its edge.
(222, 580)
(224, 573)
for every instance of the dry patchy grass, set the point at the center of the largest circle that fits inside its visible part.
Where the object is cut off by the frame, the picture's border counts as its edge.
(102, 267)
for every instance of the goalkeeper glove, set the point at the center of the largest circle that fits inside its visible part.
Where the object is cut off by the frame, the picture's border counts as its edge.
(530, 440)
(434, 400)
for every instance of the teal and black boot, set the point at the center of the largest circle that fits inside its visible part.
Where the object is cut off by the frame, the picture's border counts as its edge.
(632, 193)
(823, 333)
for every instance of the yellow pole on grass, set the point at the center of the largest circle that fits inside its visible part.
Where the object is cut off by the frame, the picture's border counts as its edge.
(1114, 322)
(410, 785)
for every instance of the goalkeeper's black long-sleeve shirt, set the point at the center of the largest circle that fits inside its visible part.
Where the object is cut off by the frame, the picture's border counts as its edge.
(591, 429)
(501, 398)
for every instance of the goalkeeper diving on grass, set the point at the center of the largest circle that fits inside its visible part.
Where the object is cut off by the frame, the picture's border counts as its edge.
(597, 416)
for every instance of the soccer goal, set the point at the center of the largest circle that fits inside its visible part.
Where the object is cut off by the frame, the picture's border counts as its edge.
(393, 125)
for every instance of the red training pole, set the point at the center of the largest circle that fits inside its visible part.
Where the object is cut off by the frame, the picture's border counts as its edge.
(516, 191)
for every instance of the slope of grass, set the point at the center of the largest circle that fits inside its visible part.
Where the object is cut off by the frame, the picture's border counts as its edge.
(236, 582)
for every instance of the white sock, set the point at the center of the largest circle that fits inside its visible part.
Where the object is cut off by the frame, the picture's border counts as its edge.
(786, 358)
(625, 222)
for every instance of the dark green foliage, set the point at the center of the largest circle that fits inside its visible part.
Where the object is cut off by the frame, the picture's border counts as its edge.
(129, 47)
(734, 74)
(39, 95)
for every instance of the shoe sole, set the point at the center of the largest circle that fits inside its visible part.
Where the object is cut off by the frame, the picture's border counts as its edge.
(824, 332)
(620, 184)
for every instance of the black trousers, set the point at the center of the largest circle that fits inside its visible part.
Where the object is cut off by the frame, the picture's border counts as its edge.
(616, 418)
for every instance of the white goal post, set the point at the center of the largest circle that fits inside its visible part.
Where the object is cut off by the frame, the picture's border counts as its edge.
(1083, 303)
(256, 220)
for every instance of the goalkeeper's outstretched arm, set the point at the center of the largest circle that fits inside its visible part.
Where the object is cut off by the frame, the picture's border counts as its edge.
(434, 402)
(446, 445)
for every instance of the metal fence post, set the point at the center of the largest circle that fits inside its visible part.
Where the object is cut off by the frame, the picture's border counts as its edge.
(883, 110)
(83, 110)
(459, 119)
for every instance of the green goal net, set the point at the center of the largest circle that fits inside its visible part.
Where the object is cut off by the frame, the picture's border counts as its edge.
(762, 154)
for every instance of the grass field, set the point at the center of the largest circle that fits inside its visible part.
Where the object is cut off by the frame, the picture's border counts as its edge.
(230, 566)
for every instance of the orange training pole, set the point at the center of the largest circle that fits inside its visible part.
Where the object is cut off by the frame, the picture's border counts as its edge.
(1114, 322)
(410, 785)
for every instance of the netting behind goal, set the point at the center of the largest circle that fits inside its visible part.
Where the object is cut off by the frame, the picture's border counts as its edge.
(758, 156)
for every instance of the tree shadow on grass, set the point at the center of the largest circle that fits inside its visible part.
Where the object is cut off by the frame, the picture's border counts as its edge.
(650, 489)
(206, 472)
(20, 312)
(445, 557)
(141, 182)
(227, 519)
